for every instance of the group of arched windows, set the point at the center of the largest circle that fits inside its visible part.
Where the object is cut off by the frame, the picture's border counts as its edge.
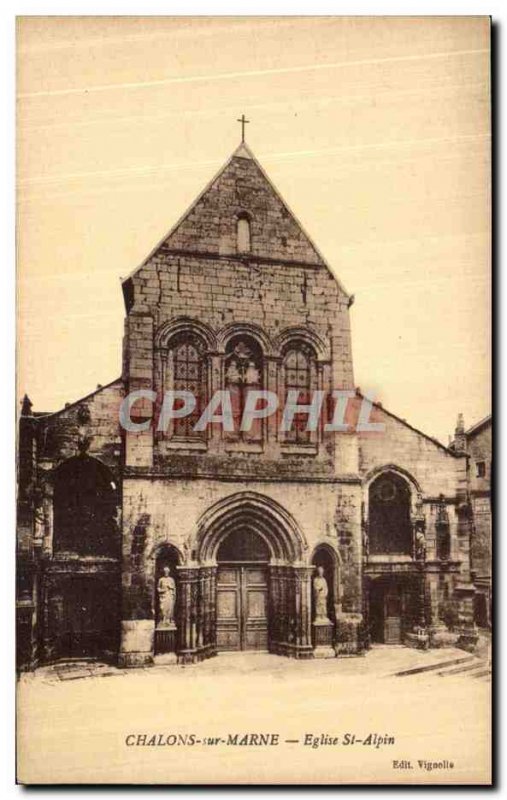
(243, 370)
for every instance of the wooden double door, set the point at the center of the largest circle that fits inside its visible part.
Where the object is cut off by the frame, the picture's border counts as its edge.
(242, 607)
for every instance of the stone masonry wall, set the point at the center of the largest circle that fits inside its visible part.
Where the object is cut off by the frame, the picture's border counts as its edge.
(479, 448)
(197, 274)
(435, 468)
(157, 511)
(96, 416)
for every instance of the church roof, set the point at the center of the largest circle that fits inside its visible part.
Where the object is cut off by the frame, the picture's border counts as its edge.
(240, 188)
(479, 426)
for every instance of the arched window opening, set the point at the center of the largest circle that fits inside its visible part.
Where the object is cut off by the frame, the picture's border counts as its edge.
(243, 545)
(244, 243)
(188, 367)
(390, 527)
(85, 503)
(300, 376)
(243, 374)
(443, 542)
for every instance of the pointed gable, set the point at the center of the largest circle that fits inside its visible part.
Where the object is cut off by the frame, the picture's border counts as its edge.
(241, 189)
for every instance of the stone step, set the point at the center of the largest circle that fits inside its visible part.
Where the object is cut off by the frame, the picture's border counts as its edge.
(483, 673)
(436, 666)
(462, 669)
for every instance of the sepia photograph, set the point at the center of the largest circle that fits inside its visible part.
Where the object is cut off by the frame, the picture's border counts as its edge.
(254, 400)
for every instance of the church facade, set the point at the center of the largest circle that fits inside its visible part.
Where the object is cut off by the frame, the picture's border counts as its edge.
(175, 543)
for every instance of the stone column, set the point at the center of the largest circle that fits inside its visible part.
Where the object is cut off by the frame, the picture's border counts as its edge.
(274, 608)
(284, 619)
(273, 375)
(206, 618)
(188, 583)
(215, 382)
(303, 611)
(465, 589)
(284, 610)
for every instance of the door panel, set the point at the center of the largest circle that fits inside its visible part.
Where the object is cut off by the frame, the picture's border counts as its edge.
(392, 618)
(242, 622)
(255, 594)
(229, 608)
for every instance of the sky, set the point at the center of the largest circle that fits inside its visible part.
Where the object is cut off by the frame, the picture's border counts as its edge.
(376, 131)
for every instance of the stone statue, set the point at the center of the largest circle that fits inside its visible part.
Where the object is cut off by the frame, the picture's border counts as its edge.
(233, 374)
(420, 546)
(320, 593)
(252, 374)
(166, 589)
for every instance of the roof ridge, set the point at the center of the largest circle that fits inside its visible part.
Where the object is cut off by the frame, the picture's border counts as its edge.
(479, 424)
(66, 407)
(412, 427)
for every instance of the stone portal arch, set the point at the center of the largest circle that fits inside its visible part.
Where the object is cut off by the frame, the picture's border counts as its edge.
(255, 512)
(247, 586)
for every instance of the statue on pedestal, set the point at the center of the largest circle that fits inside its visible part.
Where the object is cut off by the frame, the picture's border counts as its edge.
(320, 594)
(166, 589)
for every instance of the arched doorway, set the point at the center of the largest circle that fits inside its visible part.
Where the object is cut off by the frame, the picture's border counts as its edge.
(242, 592)
(249, 584)
(81, 583)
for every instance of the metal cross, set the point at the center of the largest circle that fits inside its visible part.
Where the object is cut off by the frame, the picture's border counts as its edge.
(244, 122)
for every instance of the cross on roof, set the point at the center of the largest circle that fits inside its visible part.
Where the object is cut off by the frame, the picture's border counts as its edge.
(244, 121)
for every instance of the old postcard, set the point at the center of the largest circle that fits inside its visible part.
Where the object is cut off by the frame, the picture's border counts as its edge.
(254, 420)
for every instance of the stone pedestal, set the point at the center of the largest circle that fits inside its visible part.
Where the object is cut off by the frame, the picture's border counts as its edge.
(136, 649)
(468, 637)
(467, 630)
(323, 630)
(349, 635)
(165, 641)
(441, 636)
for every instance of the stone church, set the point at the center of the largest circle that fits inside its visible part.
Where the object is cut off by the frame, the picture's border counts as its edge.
(145, 545)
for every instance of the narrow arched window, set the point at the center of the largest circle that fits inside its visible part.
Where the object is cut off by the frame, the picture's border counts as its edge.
(243, 373)
(299, 376)
(187, 373)
(244, 243)
(390, 527)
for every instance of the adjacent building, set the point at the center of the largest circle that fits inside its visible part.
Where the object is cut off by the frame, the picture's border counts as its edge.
(476, 443)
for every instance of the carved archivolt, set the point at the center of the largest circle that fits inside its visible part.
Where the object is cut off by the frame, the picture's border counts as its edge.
(260, 514)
